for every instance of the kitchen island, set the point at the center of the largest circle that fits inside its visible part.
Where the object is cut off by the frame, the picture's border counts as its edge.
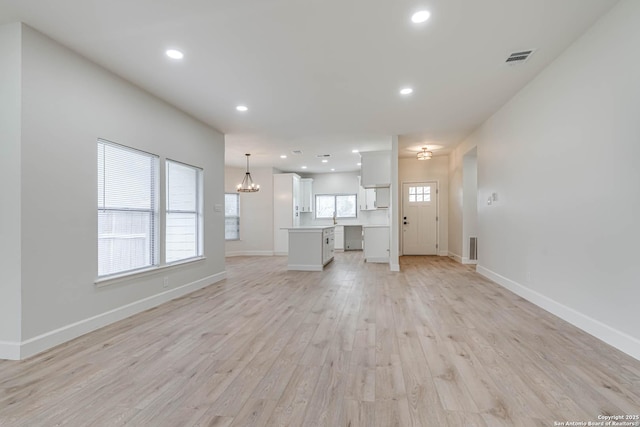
(310, 248)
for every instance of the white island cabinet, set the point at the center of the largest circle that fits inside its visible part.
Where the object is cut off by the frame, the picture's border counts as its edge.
(310, 248)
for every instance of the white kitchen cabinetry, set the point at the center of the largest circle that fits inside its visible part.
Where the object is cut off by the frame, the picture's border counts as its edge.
(311, 248)
(306, 195)
(286, 209)
(376, 243)
(376, 169)
(339, 238)
(367, 199)
(374, 198)
(383, 197)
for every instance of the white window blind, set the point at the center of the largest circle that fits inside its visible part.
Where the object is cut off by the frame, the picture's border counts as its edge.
(184, 212)
(232, 216)
(127, 209)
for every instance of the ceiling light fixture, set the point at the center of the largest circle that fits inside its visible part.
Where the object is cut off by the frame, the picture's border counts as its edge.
(247, 185)
(333, 170)
(325, 161)
(303, 167)
(242, 108)
(284, 156)
(174, 54)
(420, 16)
(355, 151)
(406, 91)
(358, 164)
(424, 154)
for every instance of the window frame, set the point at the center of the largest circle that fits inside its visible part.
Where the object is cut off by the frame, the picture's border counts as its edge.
(335, 204)
(237, 197)
(198, 212)
(153, 210)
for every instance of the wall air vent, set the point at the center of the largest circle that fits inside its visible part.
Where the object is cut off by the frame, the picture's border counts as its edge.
(473, 248)
(519, 57)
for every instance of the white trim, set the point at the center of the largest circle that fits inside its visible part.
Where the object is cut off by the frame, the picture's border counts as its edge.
(384, 259)
(443, 253)
(280, 253)
(455, 257)
(9, 350)
(394, 267)
(121, 277)
(66, 333)
(620, 340)
(248, 253)
(304, 267)
(468, 261)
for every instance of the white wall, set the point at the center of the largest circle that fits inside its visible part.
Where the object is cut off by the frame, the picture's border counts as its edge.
(469, 201)
(562, 156)
(256, 213)
(436, 169)
(67, 103)
(10, 36)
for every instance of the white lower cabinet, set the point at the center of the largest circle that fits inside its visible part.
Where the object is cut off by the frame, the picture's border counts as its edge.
(339, 238)
(310, 248)
(376, 243)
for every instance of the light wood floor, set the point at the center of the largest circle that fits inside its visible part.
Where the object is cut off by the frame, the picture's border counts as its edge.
(355, 345)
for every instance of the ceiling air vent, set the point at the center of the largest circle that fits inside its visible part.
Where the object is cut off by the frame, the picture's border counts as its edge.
(519, 57)
(297, 152)
(323, 156)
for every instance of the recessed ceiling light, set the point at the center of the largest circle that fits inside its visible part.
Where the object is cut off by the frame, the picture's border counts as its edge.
(406, 91)
(359, 164)
(420, 16)
(174, 54)
(303, 167)
(242, 108)
(325, 161)
(333, 170)
(355, 151)
(284, 156)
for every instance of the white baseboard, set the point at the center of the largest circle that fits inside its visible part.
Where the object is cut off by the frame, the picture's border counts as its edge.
(443, 253)
(58, 336)
(249, 253)
(606, 333)
(394, 267)
(466, 260)
(378, 259)
(455, 257)
(302, 267)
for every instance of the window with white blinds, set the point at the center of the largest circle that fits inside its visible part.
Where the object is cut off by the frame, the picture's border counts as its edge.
(184, 212)
(127, 209)
(232, 216)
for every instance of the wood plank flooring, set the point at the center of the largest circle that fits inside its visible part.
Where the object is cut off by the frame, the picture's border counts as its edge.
(355, 345)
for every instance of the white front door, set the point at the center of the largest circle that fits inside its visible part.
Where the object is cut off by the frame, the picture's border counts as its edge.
(419, 218)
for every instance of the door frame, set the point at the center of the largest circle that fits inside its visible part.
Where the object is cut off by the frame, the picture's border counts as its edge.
(402, 184)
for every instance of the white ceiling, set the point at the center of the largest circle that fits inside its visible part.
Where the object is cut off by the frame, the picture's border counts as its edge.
(321, 76)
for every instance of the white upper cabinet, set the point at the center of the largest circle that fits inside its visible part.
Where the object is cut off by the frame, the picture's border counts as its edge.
(306, 195)
(376, 169)
(286, 209)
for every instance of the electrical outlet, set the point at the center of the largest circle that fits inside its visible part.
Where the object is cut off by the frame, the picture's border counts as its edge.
(165, 282)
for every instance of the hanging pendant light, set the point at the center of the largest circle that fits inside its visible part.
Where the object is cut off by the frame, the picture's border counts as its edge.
(424, 154)
(247, 185)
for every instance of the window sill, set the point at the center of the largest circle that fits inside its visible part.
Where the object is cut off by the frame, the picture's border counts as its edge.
(118, 278)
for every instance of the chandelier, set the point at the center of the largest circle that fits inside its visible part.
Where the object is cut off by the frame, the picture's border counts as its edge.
(247, 185)
(424, 154)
